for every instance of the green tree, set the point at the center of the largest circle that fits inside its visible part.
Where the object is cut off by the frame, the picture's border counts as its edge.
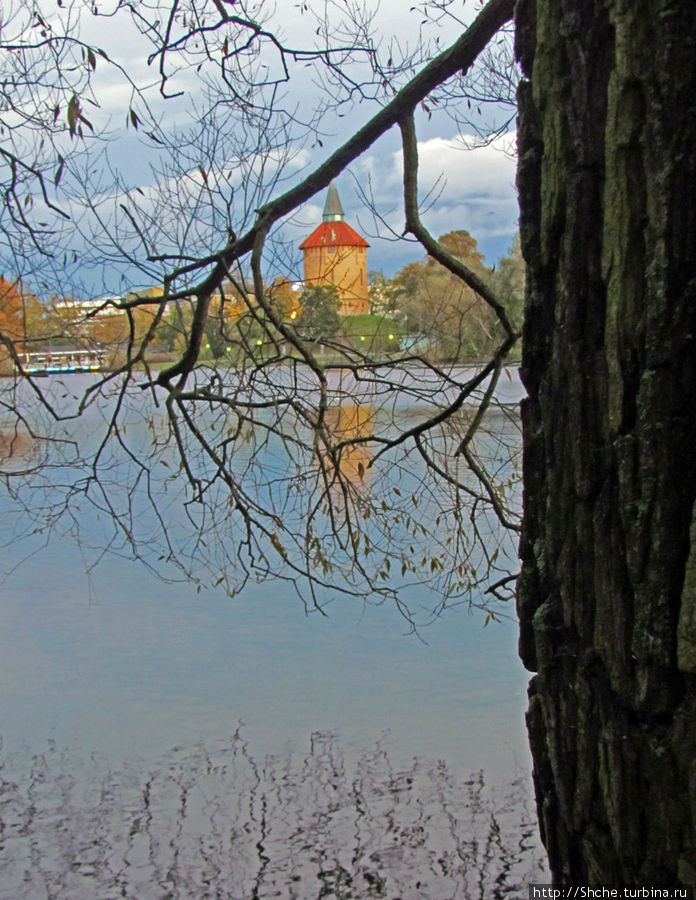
(383, 295)
(509, 281)
(446, 318)
(34, 312)
(319, 318)
(173, 328)
(216, 330)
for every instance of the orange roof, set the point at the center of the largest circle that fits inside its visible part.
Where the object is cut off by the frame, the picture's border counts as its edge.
(333, 234)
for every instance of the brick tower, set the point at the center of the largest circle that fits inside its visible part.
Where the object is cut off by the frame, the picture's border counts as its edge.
(336, 254)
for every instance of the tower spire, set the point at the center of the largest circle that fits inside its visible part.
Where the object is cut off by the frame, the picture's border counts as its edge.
(333, 211)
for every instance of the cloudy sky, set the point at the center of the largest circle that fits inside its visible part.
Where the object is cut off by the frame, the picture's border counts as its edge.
(469, 186)
(472, 186)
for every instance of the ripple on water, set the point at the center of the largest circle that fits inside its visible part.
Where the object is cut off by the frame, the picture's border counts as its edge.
(215, 822)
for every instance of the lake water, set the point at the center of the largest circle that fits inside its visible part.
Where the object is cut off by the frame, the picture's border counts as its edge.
(164, 742)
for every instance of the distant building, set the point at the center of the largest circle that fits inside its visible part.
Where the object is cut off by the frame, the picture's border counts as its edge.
(105, 306)
(336, 254)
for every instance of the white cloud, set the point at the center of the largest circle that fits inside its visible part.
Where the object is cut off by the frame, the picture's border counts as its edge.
(467, 170)
(473, 188)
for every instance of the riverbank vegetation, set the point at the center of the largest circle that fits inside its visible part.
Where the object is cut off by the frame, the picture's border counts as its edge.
(423, 310)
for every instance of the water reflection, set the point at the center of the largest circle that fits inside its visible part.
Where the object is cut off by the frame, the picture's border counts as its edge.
(17, 448)
(217, 822)
(349, 424)
(109, 658)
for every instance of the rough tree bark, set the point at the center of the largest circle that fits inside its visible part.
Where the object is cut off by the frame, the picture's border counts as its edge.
(607, 595)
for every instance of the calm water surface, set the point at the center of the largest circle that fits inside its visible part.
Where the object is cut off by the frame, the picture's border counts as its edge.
(121, 663)
(116, 684)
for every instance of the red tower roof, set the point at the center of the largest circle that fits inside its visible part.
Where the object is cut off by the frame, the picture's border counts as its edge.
(333, 234)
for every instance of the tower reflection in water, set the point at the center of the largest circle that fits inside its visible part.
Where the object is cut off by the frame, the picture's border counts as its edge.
(349, 427)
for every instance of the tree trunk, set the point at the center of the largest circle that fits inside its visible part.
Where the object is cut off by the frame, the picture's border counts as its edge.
(607, 595)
